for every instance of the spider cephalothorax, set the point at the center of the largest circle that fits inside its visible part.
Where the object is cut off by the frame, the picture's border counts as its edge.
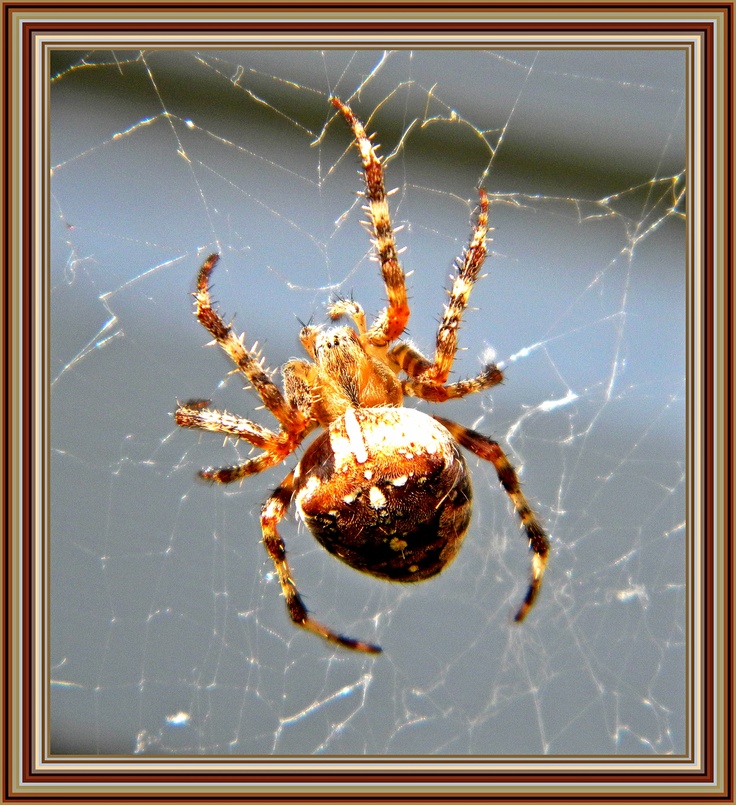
(384, 488)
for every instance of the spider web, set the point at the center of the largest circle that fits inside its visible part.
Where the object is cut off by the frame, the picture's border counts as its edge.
(168, 632)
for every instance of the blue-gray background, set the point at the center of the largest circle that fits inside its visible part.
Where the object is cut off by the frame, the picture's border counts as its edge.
(168, 632)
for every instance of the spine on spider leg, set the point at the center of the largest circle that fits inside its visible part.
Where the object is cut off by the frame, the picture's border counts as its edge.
(392, 321)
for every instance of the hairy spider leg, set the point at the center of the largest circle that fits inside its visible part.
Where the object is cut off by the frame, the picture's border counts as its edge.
(468, 266)
(195, 414)
(276, 446)
(272, 513)
(426, 379)
(487, 449)
(246, 361)
(405, 357)
(294, 425)
(392, 321)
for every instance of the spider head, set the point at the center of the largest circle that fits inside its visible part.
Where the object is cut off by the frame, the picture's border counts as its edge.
(331, 346)
(347, 376)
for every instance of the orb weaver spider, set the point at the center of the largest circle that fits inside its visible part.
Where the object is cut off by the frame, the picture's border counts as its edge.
(384, 488)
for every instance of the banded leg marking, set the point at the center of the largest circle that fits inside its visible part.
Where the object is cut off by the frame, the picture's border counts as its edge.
(487, 449)
(272, 514)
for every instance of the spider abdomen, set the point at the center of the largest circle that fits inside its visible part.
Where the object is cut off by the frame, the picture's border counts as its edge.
(387, 491)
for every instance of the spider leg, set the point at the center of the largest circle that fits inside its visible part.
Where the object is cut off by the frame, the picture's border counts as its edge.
(426, 379)
(236, 472)
(272, 513)
(392, 320)
(195, 414)
(405, 357)
(487, 449)
(490, 376)
(276, 446)
(467, 273)
(409, 359)
(247, 362)
(298, 379)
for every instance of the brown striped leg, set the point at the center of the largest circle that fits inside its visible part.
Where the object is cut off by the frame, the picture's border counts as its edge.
(236, 472)
(410, 360)
(246, 361)
(415, 365)
(391, 323)
(486, 448)
(467, 273)
(272, 513)
(490, 376)
(426, 378)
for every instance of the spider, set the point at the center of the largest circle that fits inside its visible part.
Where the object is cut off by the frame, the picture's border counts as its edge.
(384, 488)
